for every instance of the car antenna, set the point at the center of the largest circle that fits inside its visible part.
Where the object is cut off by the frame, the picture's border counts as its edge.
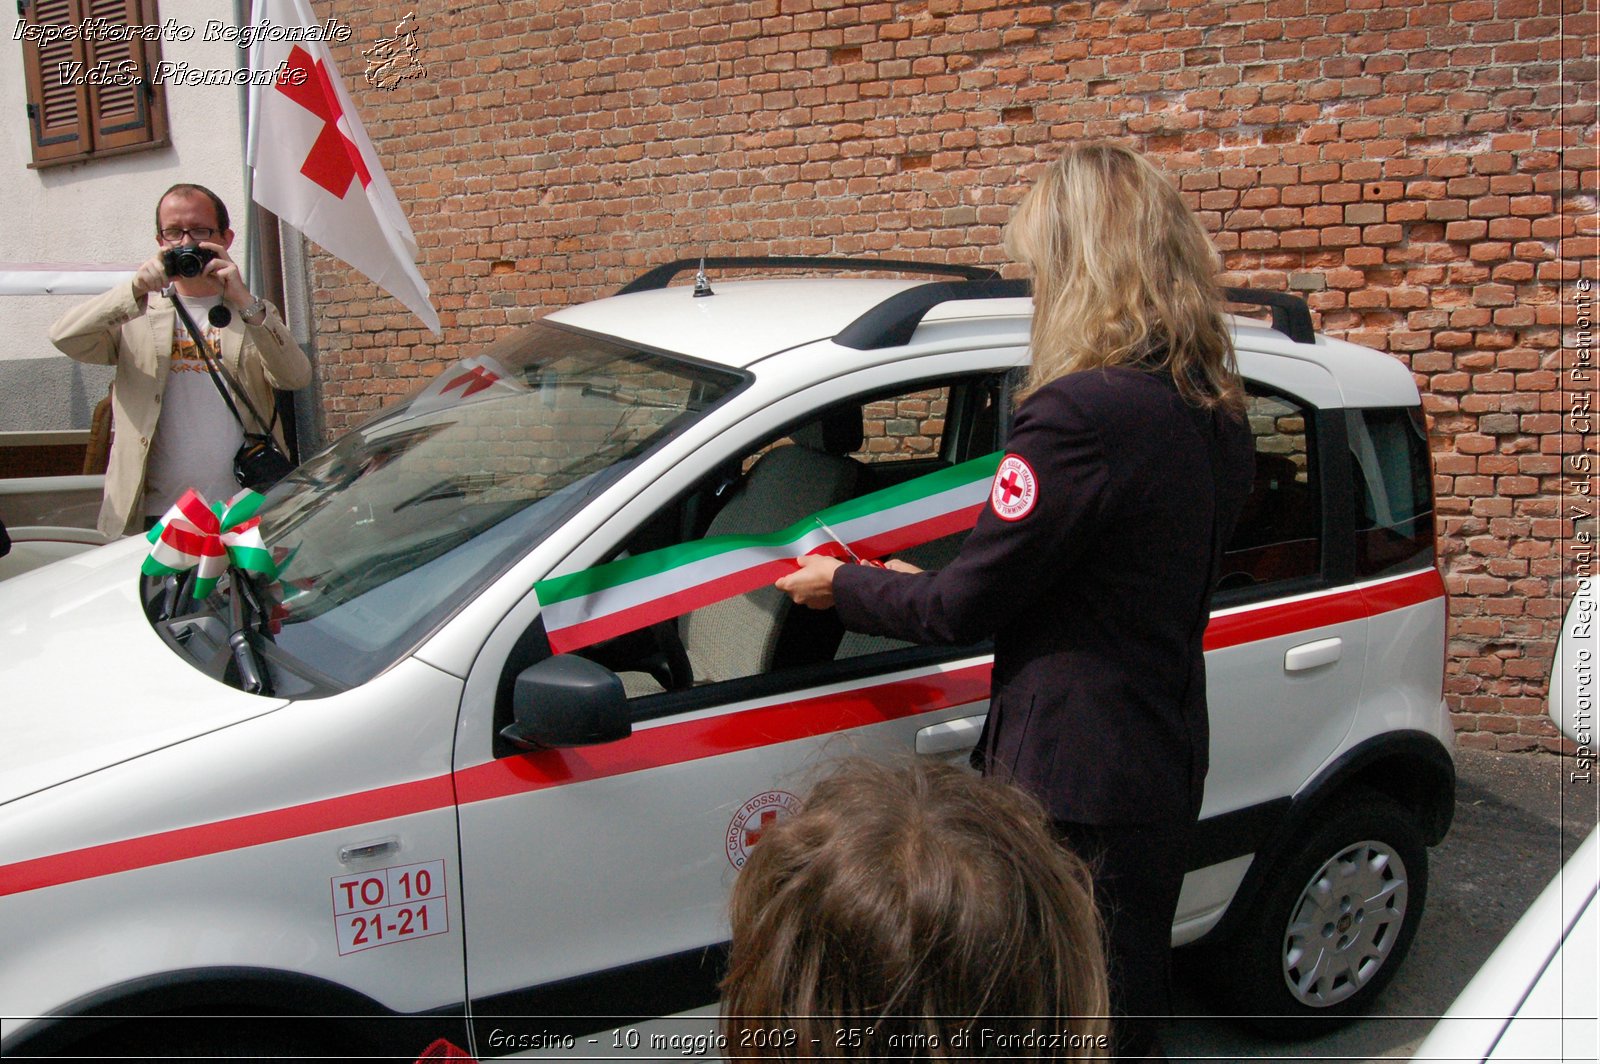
(702, 284)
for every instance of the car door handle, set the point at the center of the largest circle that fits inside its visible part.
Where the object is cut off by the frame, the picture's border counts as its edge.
(1310, 655)
(949, 736)
(366, 851)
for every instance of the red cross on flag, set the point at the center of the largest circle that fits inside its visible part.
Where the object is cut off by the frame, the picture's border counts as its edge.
(469, 380)
(314, 166)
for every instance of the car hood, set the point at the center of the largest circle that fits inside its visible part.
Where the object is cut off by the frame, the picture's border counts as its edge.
(85, 682)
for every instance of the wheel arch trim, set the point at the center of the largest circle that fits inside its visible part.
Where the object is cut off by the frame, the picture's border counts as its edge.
(1425, 784)
(201, 991)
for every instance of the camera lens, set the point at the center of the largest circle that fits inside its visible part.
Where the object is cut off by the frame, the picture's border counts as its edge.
(186, 261)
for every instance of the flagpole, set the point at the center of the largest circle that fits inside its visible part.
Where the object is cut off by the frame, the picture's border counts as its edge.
(272, 289)
(264, 270)
(310, 420)
(284, 281)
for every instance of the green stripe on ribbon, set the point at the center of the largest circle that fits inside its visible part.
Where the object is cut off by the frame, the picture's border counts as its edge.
(626, 570)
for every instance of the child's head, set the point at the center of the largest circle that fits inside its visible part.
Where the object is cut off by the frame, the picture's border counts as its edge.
(925, 903)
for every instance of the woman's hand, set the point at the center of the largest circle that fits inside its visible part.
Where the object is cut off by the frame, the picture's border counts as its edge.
(812, 584)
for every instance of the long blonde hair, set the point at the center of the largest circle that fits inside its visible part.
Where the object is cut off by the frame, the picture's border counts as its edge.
(1123, 273)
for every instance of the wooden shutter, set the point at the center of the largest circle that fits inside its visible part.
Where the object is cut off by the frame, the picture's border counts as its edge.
(57, 110)
(125, 115)
(72, 119)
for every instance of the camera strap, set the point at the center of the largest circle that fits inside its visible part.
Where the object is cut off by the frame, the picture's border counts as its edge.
(213, 365)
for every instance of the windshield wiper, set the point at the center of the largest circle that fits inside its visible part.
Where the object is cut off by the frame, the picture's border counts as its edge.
(245, 613)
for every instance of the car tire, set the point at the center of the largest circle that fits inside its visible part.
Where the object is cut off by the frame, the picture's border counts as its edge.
(1332, 923)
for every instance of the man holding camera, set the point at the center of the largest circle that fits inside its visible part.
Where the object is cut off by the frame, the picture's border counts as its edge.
(171, 427)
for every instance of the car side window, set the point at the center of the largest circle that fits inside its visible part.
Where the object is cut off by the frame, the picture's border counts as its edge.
(1278, 537)
(873, 447)
(1393, 489)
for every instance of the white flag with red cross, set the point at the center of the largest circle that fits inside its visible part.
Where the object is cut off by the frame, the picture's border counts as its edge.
(313, 164)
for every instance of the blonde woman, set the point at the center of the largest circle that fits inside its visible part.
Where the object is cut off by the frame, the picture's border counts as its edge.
(1093, 565)
(915, 913)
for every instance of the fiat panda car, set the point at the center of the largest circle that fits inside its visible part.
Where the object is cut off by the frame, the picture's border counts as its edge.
(479, 752)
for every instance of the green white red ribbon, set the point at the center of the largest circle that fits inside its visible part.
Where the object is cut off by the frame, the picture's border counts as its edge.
(208, 538)
(623, 596)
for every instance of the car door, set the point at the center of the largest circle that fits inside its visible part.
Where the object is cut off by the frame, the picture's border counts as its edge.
(595, 876)
(1286, 644)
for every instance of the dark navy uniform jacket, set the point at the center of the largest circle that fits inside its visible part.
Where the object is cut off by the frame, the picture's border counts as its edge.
(1092, 567)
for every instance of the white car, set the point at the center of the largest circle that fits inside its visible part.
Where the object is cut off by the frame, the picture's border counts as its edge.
(498, 733)
(47, 519)
(1538, 995)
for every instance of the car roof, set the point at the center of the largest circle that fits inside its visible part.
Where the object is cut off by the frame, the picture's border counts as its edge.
(744, 322)
(741, 322)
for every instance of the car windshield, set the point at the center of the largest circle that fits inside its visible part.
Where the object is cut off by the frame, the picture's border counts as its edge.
(388, 532)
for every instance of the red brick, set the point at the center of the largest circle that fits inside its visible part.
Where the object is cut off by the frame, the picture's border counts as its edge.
(784, 131)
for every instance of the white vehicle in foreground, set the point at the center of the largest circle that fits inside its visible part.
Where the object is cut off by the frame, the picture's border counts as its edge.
(481, 752)
(1537, 997)
(47, 519)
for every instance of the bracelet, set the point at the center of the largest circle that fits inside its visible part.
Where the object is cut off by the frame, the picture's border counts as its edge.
(257, 310)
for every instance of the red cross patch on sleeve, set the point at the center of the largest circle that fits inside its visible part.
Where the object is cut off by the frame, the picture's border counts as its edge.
(1015, 489)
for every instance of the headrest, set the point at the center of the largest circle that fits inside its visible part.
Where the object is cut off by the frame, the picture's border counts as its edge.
(838, 431)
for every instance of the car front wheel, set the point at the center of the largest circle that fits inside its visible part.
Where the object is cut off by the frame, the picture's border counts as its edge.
(1334, 921)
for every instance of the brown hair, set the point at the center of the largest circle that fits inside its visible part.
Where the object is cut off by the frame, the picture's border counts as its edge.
(925, 903)
(184, 188)
(1123, 273)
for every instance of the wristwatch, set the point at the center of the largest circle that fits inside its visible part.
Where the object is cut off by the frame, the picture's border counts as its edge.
(255, 313)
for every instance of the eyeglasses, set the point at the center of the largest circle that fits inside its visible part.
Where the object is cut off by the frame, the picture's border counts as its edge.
(201, 233)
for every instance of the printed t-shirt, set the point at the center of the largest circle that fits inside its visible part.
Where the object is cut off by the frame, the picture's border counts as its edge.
(196, 435)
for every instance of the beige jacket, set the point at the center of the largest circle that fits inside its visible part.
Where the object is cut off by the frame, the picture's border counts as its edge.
(135, 335)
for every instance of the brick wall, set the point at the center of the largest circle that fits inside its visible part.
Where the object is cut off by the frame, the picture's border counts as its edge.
(1423, 172)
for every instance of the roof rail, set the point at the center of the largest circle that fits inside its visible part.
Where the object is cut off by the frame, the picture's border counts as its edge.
(1290, 314)
(891, 323)
(662, 275)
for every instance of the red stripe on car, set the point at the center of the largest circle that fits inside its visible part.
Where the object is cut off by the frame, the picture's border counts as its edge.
(649, 748)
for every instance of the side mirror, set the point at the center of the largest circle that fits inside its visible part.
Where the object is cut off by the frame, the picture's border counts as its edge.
(567, 701)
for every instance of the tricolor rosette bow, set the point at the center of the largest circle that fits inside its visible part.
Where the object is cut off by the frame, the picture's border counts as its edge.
(208, 538)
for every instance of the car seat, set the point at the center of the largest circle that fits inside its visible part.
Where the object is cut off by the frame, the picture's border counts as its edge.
(750, 634)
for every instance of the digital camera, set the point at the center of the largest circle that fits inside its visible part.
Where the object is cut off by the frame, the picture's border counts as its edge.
(189, 260)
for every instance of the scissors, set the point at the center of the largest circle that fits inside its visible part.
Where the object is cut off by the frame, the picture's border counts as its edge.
(848, 553)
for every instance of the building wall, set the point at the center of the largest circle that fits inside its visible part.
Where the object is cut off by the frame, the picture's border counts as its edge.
(1423, 172)
(102, 212)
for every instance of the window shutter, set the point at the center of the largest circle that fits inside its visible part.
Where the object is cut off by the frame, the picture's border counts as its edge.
(57, 109)
(124, 115)
(73, 117)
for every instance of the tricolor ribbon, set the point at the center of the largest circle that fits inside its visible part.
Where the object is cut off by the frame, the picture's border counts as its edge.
(631, 593)
(208, 538)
